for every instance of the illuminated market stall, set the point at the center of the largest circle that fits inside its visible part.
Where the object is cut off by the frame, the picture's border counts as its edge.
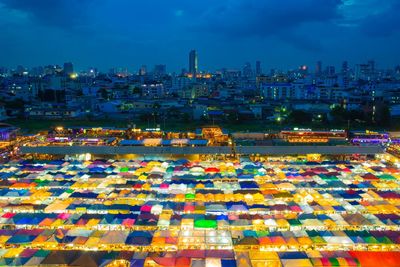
(199, 213)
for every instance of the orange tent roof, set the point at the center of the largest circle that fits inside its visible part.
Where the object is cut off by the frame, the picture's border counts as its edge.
(372, 259)
(265, 240)
(46, 222)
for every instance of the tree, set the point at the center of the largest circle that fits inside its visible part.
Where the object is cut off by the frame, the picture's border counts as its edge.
(232, 117)
(144, 117)
(14, 104)
(173, 113)
(156, 106)
(104, 93)
(356, 115)
(384, 118)
(300, 117)
(339, 114)
(186, 117)
(137, 90)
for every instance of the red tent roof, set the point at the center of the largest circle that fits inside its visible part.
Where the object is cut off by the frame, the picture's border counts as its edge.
(373, 259)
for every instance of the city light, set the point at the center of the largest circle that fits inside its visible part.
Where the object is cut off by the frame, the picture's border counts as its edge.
(200, 134)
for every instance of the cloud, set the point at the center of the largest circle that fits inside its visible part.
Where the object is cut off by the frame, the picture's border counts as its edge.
(70, 14)
(261, 19)
(265, 18)
(382, 24)
(136, 31)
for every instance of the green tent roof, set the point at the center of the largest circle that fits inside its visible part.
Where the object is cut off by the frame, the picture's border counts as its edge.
(384, 240)
(124, 169)
(42, 253)
(318, 239)
(334, 262)
(262, 233)
(294, 222)
(190, 196)
(205, 224)
(386, 177)
(370, 240)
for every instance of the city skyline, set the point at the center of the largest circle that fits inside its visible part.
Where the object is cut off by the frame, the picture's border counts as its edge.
(128, 33)
(257, 67)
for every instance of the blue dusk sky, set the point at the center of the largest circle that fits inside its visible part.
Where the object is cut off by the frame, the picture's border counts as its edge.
(226, 33)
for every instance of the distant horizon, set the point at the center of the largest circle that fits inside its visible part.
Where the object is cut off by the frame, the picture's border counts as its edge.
(281, 34)
(150, 67)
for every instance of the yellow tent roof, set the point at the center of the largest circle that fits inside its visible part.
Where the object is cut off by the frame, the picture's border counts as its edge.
(13, 252)
(263, 255)
(282, 223)
(304, 240)
(92, 241)
(92, 222)
(57, 223)
(4, 238)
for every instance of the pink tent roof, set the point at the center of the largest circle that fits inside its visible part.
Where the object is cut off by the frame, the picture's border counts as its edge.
(8, 215)
(146, 208)
(128, 222)
(164, 186)
(64, 216)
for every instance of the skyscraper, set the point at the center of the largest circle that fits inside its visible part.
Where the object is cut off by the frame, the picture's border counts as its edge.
(330, 70)
(68, 68)
(159, 70)
(365, 71)
(345, 74)
(318, 69)
(247, 71)
(345, 68)
(371, 64)
(143, 70)
(193, 61)
(258, 68)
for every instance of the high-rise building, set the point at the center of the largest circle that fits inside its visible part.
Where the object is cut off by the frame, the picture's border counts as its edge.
(143, 70)
(20, 69)
(258, 68)
(318, 69)
(193, 62)
(345, 74)
(247, 71)
(365, 71)
(92, 72)
(330, 70)
(345, 68)
(3, 70)
(160, 70)
(371, 64)
(68, 68)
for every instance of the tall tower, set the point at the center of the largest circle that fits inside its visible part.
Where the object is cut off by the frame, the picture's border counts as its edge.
(258, 68)
(318, 69)
(68, 68)
(345, 74)
(193, 61)
(247, 71)
(345, 68)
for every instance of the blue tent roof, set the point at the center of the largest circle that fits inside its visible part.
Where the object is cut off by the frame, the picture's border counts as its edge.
(228, 263)
(131, 142)
(293, 255)
(137, 263)
(21, 239)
